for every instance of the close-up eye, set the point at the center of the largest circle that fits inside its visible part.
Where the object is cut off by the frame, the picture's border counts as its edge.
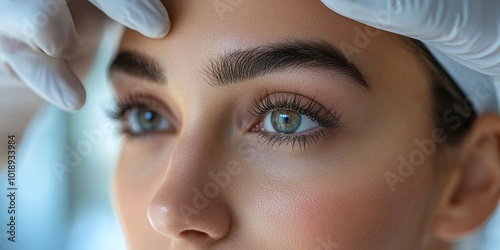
(141, 121)
(137, 115)
(287, 122)
(289, 118)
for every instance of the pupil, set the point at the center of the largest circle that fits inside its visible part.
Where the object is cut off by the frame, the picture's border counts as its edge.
(285, 118)
(148, 120)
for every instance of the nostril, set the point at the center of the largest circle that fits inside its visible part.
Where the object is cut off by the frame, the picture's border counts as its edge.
(194, 234)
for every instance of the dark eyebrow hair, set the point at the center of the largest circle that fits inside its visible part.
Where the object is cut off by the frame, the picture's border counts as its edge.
(138, 64)
(242, 65)
(245, 64)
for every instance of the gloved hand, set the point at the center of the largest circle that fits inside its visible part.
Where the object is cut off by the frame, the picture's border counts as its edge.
(466, 30)
(39, 40)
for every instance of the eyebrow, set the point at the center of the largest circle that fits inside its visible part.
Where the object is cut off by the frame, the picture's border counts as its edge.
(246, 64)
(138, 64)
(240, 65)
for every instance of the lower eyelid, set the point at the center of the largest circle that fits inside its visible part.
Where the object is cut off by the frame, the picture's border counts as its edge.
(301, 140)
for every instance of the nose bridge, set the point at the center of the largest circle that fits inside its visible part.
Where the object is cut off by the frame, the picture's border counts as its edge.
(188, 168)
(190, 203)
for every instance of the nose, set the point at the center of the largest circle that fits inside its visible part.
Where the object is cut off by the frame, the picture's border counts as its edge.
(189, 204)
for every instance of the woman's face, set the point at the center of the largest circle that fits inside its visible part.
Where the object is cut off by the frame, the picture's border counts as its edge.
(249, 130)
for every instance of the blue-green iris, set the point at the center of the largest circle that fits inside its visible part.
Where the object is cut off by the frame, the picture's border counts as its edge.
(285, 121)
(148, 120)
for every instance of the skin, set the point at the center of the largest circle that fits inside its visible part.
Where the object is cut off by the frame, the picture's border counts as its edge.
(332, 194)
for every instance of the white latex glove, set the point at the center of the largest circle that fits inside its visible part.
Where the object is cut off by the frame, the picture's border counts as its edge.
(38, 41)
(466, 30)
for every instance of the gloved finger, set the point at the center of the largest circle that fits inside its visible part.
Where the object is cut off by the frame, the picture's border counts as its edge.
(148, 17)
(466, 30)
(51, 78)
(410, 18)
(46, 25)
(480, 53)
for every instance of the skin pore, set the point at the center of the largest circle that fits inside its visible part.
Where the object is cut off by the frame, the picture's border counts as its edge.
(212, 174)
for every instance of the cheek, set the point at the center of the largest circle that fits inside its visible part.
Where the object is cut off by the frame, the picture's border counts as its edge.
(135, 185)
(131, 206)
(334, 212)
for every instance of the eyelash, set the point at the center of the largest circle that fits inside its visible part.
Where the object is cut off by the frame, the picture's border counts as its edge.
(325, 118)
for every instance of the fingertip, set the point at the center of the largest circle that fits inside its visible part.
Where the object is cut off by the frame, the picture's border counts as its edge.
(164, 31)
(148, 17)
(161, 18)
(71, 92)
(76, 101)
(151, 29)
(69, 96)
(63, 88)
(155, 25)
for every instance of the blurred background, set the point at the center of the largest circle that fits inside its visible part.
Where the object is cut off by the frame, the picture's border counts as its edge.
(65, 166)
(65, 173)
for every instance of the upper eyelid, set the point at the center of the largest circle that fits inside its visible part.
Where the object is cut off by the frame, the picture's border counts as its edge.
(261, 106)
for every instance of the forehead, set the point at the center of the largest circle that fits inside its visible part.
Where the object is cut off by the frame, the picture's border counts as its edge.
(221, 25)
